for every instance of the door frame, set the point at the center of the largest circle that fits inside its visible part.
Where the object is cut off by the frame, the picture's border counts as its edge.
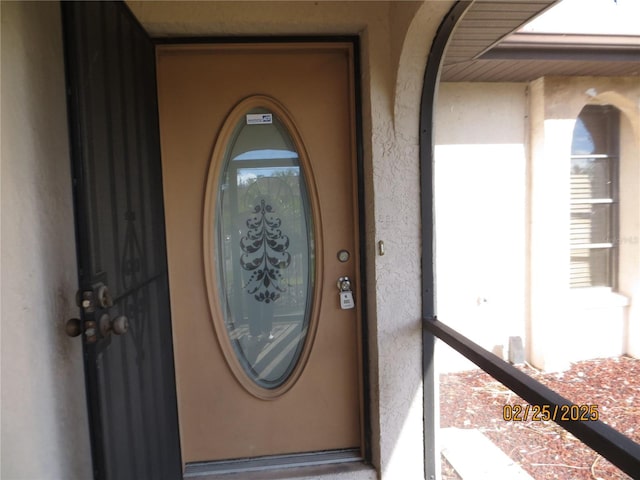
(354, 40)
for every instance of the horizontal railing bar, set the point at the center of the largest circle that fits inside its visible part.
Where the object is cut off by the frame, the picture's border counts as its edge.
(608, 442)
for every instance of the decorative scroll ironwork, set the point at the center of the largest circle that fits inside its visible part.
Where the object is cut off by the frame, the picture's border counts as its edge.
(265, 254)
(136, 301)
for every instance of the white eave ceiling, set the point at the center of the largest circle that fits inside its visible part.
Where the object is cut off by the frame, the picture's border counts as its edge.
(482, 49)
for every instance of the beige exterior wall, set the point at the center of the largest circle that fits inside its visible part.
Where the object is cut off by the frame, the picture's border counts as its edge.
(43, 390)
(502, 221)
(480, 203)
(585, 323)
(44, 420)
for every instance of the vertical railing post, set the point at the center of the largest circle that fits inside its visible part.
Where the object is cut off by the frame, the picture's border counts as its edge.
(427, 107)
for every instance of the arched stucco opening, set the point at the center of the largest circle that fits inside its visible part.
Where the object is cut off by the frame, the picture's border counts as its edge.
(555, 103)
(627, 236)
(425, 140)
(411, 70)
(547, 111)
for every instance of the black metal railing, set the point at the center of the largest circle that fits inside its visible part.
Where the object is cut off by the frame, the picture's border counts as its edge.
(608, 442)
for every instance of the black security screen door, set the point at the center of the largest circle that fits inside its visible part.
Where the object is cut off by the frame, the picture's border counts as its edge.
(125, 324)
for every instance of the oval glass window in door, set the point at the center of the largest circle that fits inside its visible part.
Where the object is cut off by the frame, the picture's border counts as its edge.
(264, 246)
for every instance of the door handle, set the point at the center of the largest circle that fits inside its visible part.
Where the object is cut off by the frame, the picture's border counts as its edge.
(74, 327)
(117, 326)
(91, 302)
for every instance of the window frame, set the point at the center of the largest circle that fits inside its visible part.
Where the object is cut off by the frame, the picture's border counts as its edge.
(612, 124)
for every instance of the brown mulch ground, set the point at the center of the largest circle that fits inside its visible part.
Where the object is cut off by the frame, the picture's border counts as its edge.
(473, 399)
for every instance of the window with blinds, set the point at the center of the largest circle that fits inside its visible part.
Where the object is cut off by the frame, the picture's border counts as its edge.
(594, 202)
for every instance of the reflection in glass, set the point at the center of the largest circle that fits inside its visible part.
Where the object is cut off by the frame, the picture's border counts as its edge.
(595, 131)
(591, 178)
(264, 249)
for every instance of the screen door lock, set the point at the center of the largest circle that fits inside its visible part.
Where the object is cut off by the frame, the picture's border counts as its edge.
(346, 295)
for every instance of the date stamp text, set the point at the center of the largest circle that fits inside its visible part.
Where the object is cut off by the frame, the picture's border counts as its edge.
(544, 413)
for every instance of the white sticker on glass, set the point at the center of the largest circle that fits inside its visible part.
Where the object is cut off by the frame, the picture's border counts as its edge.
(259, 118)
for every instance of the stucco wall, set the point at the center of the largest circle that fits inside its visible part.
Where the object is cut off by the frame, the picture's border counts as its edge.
(575, 314)
(502, 220)
(44, 421)
(480, 180)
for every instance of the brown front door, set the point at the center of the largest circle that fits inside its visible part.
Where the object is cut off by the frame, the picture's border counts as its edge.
(258, 152)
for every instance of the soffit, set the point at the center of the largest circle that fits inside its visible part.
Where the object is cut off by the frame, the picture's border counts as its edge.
(479, 51)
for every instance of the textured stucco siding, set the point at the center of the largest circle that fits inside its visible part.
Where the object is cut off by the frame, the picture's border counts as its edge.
(44, 420)
(502, 220)
(555, 103)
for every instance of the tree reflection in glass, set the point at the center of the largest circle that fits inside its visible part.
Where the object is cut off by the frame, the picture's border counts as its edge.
(264, 250)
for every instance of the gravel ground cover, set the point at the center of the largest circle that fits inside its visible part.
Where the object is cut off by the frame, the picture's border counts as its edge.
(474, 399)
